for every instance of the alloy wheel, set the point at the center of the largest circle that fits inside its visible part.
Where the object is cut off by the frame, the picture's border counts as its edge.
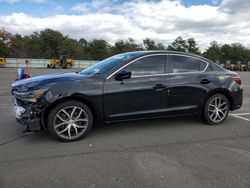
(70, 122)
(217, 109)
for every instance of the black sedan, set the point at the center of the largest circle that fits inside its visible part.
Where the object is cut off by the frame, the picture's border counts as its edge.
(128, 86)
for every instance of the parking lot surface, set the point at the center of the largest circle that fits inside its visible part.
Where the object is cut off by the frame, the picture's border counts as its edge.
(170, 152)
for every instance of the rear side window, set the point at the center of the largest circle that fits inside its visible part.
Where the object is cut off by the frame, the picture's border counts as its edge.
(187, 64)
(147, 66)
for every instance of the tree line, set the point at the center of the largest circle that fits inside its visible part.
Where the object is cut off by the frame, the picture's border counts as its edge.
(50, 44)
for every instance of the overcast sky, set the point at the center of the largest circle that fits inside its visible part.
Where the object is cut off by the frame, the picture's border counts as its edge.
(225, 21)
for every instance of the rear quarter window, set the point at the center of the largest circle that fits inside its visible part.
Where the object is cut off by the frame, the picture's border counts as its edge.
(203, 65)
(210, 67)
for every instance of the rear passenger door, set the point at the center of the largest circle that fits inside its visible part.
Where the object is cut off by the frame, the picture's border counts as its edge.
(188, 83)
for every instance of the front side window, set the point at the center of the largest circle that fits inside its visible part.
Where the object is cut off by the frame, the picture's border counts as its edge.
(185, 64)
(147, 66)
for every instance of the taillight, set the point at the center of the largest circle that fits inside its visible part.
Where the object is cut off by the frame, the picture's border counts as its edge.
(237, 79)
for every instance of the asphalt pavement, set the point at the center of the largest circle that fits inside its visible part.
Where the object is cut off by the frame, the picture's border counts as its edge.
(169, 152)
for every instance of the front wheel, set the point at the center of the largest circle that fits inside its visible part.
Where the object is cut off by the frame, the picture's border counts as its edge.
(216, 109)
(70, 121)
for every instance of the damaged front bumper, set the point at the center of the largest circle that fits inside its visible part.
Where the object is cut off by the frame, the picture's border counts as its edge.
(29, 114)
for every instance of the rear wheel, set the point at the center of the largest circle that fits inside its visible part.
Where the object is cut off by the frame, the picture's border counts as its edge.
(216, 109)
(70, 121)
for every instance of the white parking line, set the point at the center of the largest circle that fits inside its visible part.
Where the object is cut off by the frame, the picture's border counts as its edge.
(237, 116)
(240, 114)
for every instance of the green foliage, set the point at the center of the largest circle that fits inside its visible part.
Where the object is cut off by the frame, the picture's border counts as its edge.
(52, 43)
(19, 47)
(213, 52)
(233, 52)
(122, 46)
(180, 44)
(149, 44)
(49, 44)
(192, 46)
(98, 49)
(4, 51)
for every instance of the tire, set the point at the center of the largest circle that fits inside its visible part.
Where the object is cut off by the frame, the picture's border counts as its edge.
(70, 121)
(56, 66)
(67, 66)
(216, 109)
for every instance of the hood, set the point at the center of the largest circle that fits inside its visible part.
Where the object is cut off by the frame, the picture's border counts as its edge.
(44, 80)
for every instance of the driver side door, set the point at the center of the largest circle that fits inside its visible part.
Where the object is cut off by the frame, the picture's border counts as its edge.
(144, 93)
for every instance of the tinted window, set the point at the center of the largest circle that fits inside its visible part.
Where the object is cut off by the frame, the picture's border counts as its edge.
(203, 65)
(148, 65)
(216, 67)
(107, 64)
(185, 64)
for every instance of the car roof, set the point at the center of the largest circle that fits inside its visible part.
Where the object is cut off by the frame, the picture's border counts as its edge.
(148, 52)
(182, 53)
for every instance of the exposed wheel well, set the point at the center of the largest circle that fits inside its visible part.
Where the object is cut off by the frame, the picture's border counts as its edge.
(75, 98)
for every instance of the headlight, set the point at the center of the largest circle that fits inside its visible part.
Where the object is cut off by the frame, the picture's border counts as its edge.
(32, 96)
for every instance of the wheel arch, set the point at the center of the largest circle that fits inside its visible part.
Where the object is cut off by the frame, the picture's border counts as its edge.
(77, 97)
(222, 91)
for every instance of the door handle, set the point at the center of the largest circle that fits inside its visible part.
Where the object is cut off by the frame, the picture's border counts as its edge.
(205, 81)
(159, 87)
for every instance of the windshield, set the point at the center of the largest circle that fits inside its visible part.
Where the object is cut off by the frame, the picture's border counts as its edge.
(107, 64)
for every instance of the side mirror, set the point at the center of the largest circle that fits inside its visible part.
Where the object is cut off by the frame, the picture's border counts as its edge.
(123, 75)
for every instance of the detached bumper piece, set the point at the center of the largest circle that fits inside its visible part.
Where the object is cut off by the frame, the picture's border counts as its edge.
(28, 114)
